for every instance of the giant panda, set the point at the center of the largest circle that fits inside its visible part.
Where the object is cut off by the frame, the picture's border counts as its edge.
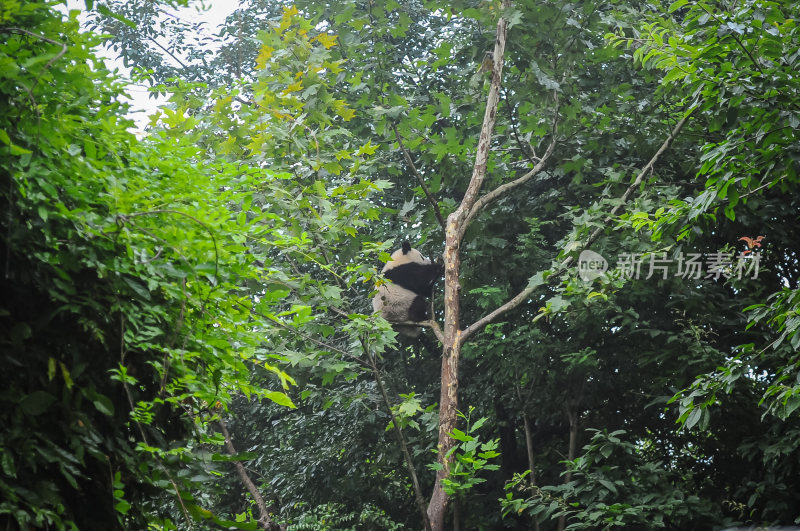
(405, 298)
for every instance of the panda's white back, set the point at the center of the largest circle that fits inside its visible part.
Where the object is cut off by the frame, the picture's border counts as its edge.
(394, 301)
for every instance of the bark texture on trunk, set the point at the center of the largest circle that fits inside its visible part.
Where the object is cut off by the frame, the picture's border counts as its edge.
(454, 231)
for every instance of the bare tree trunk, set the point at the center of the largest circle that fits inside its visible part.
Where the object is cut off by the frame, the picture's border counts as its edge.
(572, 415)
(455, 227)
(264, 521)
(453, 337)
(529, 447)
(531, 467)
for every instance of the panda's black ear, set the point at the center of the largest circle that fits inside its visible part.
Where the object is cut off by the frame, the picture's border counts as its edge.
(406, 247)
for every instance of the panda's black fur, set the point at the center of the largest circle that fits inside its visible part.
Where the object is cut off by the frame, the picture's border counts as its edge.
(405, 298)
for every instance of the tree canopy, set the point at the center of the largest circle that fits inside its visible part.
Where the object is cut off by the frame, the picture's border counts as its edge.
(188, 339)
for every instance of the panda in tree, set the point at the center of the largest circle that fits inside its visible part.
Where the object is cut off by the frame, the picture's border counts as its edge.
(405, 299)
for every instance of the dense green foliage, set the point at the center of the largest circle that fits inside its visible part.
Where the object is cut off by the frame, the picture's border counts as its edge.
(220, 266)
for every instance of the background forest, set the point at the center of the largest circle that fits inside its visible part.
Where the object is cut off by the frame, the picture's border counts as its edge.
(187, 335)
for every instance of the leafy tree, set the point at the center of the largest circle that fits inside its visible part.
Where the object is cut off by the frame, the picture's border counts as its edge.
(237, 242)
(141, 255)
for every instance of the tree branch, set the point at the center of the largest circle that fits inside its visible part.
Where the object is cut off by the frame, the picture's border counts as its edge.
(521, 296)
(424, 186)
(419, 499)
(58, 56)
(507, 187)
(152, 39)
(635, 184)
(433, 325)
(733, 34)
(298, 333)
(485, 138)
(264, 521)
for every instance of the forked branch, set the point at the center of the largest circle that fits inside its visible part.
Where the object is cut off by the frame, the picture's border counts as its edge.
(525, 293)
(451, 348)
(501, 190)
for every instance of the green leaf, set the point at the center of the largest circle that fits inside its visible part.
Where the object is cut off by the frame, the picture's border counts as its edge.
(66, 374)
(460, 435)
(241, 456)
(693, 417)
(37, 402)
(103, 404)
(122, 507)
(7, 463)
(116, 16)
(480, 422)
(610, 486)
(280, 398)
(677, 5)
(791, 405)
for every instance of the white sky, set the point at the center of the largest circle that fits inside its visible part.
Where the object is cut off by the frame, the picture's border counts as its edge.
(213, 13)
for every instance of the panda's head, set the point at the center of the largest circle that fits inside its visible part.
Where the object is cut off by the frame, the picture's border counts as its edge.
(405, 255)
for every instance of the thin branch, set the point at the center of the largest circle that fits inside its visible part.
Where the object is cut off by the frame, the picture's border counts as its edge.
(21, 31)
(145, 440)
(507, 187)
(424, 186)
(305, 336)
(433, 325)
(264, 521)
(168, 52)
(486, 319)
(521, 296)
(58, 56)
(733, 34)
(527, 150)
(765, 185)
(436, 330)
(419, 499)
(635, 184)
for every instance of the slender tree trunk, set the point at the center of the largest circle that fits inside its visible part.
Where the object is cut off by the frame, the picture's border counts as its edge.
(572, 415)
(507, 431)
(454, 232)
(529, 447)
(531, 467)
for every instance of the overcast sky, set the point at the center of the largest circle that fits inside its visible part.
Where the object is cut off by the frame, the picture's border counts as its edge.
(212, 13)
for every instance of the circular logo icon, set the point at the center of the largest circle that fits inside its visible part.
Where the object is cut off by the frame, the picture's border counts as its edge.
(591, 265)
